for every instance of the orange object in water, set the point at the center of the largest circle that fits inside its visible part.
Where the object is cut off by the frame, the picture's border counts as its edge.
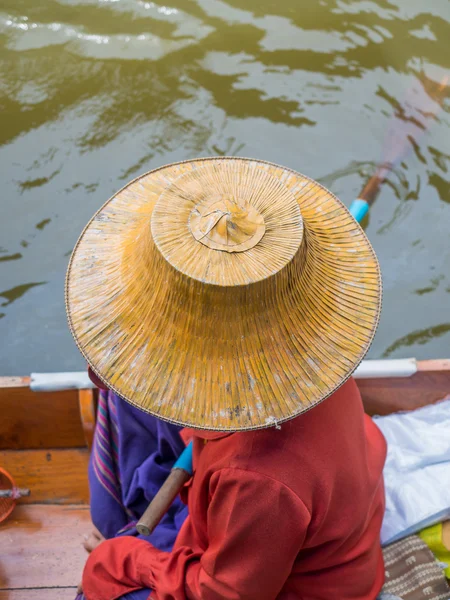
(9, 494)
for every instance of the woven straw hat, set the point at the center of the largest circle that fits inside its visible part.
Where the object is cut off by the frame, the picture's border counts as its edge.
(223, 293)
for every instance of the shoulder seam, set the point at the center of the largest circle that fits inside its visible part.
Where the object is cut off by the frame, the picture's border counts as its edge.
(264, 476)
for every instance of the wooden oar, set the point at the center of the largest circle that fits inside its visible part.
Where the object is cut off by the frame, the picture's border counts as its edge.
(178, 477)
(403, 131)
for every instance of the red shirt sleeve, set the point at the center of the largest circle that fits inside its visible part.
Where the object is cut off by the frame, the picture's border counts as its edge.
(256, 527)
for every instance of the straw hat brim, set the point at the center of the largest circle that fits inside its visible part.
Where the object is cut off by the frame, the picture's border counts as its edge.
(255, 364)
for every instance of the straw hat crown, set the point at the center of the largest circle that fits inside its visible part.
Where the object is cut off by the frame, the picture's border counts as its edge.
(225, 294)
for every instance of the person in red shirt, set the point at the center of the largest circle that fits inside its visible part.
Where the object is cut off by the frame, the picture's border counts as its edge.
(291, 513)
(236, 298)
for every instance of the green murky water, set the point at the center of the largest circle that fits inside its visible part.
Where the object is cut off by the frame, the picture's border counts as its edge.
(94, 92)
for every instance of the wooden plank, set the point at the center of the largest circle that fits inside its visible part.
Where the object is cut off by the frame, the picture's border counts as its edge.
(9, 382)
(440, 364)
(53, 476)
(67, 593)
(41, 547)
(88, 411)
(427, 386)
(39, 419)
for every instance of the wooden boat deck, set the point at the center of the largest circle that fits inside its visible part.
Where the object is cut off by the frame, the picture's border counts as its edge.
(41, 556)
(44, 444)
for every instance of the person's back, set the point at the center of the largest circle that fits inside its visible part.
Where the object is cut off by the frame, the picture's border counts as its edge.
(330, 460)
(293, 513)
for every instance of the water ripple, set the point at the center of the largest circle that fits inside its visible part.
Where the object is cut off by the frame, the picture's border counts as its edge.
(95, 92)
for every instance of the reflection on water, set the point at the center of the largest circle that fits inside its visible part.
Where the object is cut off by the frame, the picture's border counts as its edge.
(17, 292)
(43, 223)
(423, 336)
(11, 257)
(32, 183)
(433, 285)
(95, 92)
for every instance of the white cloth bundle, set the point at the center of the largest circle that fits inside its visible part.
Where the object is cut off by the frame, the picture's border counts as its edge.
(417, 470)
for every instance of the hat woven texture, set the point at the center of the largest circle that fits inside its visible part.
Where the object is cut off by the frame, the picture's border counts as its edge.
(223, 293)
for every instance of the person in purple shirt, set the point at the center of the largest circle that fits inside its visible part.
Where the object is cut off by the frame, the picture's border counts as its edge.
(132, 455)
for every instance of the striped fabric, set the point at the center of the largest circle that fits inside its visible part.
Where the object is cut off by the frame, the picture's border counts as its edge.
(105, 457)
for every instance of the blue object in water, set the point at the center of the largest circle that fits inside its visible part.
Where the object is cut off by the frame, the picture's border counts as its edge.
(185, 459)
(359, 209)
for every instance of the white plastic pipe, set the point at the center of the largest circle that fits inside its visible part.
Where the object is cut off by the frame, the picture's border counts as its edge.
(374, 369)
(55, 382)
